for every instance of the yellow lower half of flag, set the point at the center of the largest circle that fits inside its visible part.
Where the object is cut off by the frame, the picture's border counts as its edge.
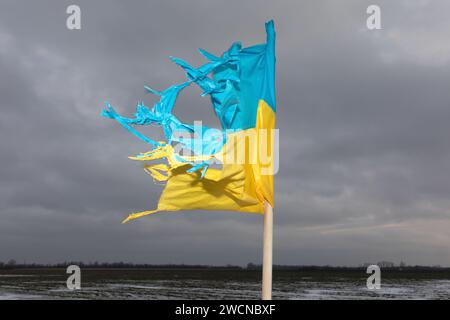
(240, 187)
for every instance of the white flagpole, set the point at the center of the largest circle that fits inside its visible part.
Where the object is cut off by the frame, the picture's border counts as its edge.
(267, 252)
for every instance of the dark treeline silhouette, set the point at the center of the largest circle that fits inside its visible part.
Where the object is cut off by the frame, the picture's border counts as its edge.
(415, 268)
(12, 264)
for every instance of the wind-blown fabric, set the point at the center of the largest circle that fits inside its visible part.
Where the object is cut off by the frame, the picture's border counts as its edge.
(241, 86)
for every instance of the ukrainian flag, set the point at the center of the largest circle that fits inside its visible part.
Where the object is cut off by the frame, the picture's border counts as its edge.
(227, 169)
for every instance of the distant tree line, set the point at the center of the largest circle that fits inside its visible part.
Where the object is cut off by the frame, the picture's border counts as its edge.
(388, 267)
(13, 264)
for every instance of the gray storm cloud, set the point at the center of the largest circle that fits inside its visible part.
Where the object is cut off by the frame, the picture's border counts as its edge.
(363, 117)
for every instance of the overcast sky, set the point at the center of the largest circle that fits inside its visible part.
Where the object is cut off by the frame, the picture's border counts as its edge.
(363, 117)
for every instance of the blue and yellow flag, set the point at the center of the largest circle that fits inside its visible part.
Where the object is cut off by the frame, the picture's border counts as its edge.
(230, 168)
